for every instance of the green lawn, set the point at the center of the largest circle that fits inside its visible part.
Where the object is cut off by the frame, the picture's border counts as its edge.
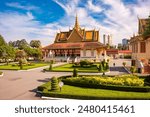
(89, 93)
(26, 67)
(69, 68)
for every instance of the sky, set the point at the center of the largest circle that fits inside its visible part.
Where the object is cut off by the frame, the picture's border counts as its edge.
(42, 19)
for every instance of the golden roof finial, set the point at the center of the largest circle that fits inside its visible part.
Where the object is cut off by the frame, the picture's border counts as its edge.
(76, 26)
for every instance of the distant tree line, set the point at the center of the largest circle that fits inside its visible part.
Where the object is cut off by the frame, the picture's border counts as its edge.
(15, 49)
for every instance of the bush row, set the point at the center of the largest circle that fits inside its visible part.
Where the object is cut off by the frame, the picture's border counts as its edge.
(84, 97)
(118, 80)
(109, 87)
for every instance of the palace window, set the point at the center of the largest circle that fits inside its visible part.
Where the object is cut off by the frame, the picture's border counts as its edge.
(142, 47)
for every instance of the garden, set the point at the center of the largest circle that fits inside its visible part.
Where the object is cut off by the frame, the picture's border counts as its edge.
(98, 87)
(82, 66)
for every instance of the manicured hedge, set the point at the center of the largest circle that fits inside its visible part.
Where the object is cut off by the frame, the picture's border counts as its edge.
(44, 86)
(125, 80)
(85, 97)
(110, 87)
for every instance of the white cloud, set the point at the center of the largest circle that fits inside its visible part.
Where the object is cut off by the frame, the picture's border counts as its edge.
(20, 6)
(23, 26)
(121, 20)
(94, 8)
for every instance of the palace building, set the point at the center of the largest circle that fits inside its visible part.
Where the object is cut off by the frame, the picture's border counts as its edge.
(75, 44)
(140, 47)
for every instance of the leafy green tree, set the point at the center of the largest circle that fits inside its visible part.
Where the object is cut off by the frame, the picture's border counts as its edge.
(147, 29)
(2, 41)
(35, 43)
(6, 51)
(20, 56)
(20, 44)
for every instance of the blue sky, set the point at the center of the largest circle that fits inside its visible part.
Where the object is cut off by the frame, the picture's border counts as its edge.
(42, 19)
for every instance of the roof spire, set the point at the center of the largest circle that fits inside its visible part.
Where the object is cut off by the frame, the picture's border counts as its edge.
(76, 26)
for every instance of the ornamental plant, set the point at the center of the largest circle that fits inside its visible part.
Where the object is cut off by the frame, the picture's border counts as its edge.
(50, 67)
(54, 84)
(124, 64)
(133, 69)
(107, 66)
(75, 72)
(100, 68)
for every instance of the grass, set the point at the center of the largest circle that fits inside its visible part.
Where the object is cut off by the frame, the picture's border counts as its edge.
(69, 68)
(89, 93)
(25, 67)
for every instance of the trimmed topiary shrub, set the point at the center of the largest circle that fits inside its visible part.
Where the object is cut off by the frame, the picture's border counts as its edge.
(107, 66)
(100, 68)
(54, 84)
(133, 69)
(75, 72)
(50, 67)
(124, 64)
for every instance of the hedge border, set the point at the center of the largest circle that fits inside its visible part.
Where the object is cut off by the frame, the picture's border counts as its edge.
(109, 87)
(83, 97)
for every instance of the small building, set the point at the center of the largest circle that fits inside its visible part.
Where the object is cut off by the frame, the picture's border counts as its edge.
(76, 44)
(115, 53)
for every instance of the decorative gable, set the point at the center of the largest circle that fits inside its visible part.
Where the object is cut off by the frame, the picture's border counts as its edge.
(75, 37)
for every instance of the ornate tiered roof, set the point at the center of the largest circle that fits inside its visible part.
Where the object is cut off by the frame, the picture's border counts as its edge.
(76, 38)
(77, 35)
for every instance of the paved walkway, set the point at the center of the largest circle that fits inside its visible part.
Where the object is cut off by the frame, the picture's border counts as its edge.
(22, 84)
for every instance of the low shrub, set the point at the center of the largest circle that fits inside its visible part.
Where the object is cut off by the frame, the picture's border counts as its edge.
(44, 86)
(147, 80)
(84, 63)
(13, 65)
(123, 81)
(110, 84)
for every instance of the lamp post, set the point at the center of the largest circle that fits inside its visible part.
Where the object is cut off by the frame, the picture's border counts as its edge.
(60, 85)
